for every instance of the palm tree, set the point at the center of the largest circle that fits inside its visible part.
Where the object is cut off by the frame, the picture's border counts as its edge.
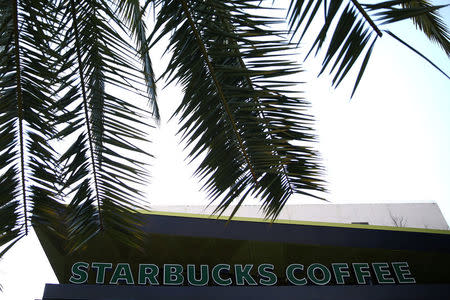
(70, 143)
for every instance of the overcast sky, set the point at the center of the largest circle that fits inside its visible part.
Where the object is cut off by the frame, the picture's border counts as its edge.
(390, 143)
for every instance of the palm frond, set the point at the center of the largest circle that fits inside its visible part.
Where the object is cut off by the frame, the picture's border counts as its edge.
(25, 115)
(133, 15)
(424, 15)
(236, 109)
(356, 27)
(103, 167)
(417, 52)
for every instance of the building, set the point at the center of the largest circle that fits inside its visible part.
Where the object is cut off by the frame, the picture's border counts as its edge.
(195, 256)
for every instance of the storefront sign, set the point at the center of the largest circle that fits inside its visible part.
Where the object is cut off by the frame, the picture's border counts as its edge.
(239, 274)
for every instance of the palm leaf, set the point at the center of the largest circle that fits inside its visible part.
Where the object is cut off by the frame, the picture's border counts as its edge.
(98, 173)
(133, 14)
(357, 27)
(417, 52)
(28, 166)
(236, 110)
(25, 115)
(422, 13)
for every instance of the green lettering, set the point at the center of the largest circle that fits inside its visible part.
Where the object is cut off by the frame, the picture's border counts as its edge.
(173, 274)
(79, 273)
(151, 276)
(325, 277)
(122, 272)
(267, 276)
(243, 274)
(291, 277)
(401, 269)
(339, 274)
(204, 275)
(101, 267)
(360, 273)
(381, 272)
(216, 274)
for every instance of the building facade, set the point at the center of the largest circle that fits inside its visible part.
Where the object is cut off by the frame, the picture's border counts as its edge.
(196, 256)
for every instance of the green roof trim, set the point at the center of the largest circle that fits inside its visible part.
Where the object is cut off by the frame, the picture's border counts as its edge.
(294, 222)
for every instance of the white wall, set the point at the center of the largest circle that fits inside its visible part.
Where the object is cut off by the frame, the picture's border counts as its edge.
(416, 215)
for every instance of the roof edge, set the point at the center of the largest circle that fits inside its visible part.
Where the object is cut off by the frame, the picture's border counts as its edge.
(293, 222)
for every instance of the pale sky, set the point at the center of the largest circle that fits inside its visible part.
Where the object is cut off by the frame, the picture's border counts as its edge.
(390, 143)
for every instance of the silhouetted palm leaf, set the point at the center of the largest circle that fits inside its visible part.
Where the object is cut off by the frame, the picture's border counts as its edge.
(27, 160)
(101, 170)
(237, 108)
(133, 14)
(355, 29)
(422, 13)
